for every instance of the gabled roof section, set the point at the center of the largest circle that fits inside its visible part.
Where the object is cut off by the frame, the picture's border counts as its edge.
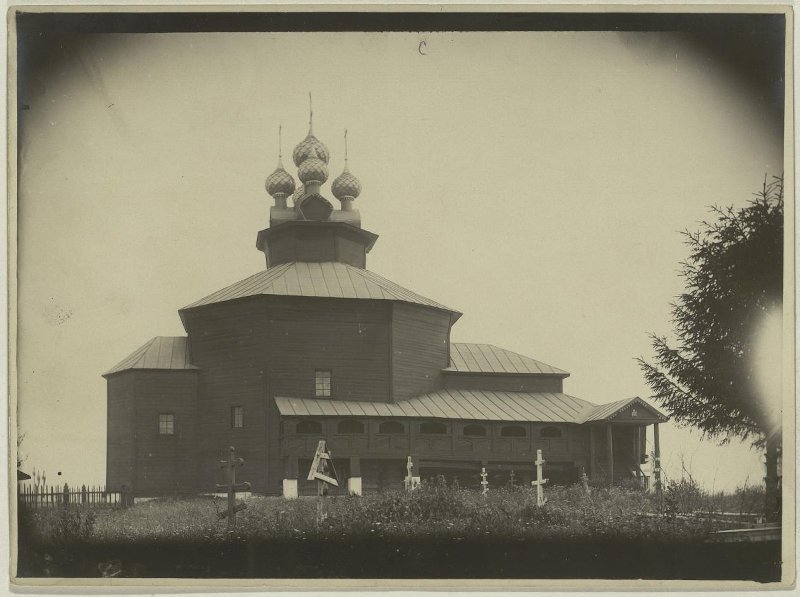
(607, 412)
(478, 405)
(162, 352)
(487, 358)
(326, 279)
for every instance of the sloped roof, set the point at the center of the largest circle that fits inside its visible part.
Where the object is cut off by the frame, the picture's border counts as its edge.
(327, 279)
(479, 405)
(606, 412)
(487, 358)
(162, 352)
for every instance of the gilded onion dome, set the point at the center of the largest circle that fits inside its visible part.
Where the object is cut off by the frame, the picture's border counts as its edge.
(312, 169)
(346, 185)
(280, 182)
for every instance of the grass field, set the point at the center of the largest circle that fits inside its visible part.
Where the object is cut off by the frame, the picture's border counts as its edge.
(437, 531)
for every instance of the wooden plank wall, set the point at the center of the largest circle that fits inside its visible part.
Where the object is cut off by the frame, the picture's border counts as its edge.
(229, 343)
(120, 442)
(420, 344)
(165, 463)
(503, 382)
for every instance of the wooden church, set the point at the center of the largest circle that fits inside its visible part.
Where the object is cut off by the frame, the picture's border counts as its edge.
(316, 346)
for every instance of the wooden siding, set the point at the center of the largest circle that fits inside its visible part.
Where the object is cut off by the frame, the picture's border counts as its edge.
(229, 342)
(120, 441)
(420, 345)
(503, 382)
(316, 244)
(165, 463)
(454, 446)
(350, 338)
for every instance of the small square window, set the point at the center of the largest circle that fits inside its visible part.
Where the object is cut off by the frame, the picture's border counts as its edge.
(237, 416)
(166, 424)
(322, 383)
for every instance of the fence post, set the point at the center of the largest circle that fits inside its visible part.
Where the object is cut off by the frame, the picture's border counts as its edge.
(66, 495)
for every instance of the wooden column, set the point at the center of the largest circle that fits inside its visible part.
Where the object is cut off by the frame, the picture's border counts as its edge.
(637, 456)
(591, 453)
(657, 463)
(610, 454)
(354, 482)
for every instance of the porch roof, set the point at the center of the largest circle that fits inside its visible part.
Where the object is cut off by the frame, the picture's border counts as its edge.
(607, 412)
(476, 405)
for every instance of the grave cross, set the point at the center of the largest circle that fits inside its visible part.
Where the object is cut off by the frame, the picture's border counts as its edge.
(325, 474)
(539, 482)
(411, 481)
(232, 487)
(484, 482)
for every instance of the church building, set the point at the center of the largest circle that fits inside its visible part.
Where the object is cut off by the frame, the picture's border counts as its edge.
(315, 346)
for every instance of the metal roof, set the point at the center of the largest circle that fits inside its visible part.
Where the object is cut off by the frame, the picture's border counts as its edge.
(605, 412)
(487, 358)
(479, 405)
(162, 352)
(327, 279)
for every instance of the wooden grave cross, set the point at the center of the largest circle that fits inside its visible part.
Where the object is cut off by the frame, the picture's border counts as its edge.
(324, 473)
(484, 481)
(584, 480)
(411, 482)
(539, 482)
(232, 487)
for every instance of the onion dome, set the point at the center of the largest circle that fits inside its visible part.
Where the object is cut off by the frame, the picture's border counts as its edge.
(346, 186)
(312, 169)
(280, 182)
(310, 144)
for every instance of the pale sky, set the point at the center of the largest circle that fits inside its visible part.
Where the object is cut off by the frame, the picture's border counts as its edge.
(537, 182)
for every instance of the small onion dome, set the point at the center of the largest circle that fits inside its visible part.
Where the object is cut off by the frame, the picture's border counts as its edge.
(308, 146)
(312, 169)
(280, 182)
(346, 186)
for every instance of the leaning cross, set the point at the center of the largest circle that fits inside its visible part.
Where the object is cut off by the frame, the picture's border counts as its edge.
(538, 484)
(232, 487)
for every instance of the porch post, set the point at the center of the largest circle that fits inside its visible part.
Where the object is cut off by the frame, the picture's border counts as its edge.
(637, 457)
(591, 452)
(354, 481)
(610, 454)
(657, 462)
(290, 478)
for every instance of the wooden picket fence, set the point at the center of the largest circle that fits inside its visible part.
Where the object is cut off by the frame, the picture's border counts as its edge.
(44, 496)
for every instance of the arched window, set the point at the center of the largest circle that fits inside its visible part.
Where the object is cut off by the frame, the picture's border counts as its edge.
(475, 430)
(391, 427)
(350, 426)
(513, 431)
(550, 432)
(433, 427)
(309, 427)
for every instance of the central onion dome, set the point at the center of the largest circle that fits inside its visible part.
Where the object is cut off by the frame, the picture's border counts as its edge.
(280, 183)
(313, 168)
(308, 146)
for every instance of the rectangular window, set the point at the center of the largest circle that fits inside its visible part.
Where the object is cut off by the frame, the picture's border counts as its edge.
(323, 383)
(166, 424)
(237, 416)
